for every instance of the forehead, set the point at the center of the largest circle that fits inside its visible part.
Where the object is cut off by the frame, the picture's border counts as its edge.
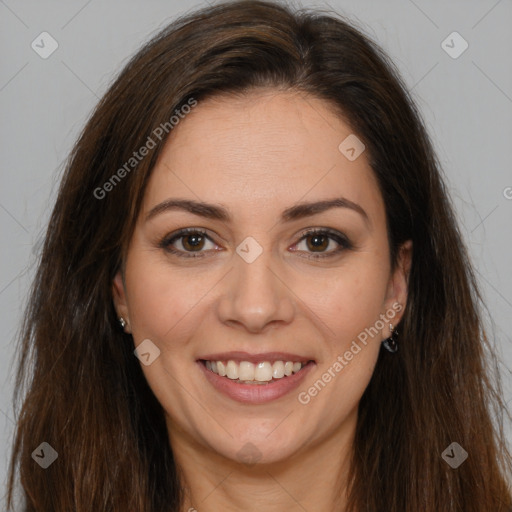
(260, 150)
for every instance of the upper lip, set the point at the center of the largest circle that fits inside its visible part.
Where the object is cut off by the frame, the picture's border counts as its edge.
(271, 357)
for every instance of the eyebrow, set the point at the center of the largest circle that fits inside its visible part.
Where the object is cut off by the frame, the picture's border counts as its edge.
(217, 212)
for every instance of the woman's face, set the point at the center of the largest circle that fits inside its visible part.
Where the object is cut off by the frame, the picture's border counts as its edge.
(248, 289)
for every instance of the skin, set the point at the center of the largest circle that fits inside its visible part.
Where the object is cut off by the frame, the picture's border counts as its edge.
(256, 156)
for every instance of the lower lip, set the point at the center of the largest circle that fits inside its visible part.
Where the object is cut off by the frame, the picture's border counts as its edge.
(256, 393)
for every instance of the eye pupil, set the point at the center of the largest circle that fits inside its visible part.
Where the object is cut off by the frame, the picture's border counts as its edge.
(318, 242)
(191, 242)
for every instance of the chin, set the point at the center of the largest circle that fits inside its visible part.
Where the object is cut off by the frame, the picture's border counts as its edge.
(259, 447)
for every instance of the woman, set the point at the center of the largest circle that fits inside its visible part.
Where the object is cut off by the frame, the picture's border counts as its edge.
(253, 294)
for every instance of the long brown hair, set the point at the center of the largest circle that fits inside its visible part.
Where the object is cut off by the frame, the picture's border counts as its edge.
(82, 389)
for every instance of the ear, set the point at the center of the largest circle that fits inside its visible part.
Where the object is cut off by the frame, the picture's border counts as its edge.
(398, 283)
(119, 298)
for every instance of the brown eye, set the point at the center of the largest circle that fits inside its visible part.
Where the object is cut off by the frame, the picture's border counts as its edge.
(193, 242)
(319, 241)
(188, 243)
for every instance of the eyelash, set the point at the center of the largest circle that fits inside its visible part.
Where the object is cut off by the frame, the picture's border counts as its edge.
(339, 238)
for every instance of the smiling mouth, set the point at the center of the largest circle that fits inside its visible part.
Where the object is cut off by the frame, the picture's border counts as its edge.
(262, 373)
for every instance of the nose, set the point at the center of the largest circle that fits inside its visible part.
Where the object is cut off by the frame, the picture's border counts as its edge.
(255, 295)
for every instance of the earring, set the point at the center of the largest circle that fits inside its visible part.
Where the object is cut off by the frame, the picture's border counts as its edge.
(122, 322)
(390, 343)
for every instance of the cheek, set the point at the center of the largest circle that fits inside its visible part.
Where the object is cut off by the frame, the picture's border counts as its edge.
(350, 311)
(349, 300)
(161, 301)
(350, 308)
(334, 392)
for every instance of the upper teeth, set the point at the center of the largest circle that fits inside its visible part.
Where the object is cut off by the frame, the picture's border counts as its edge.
(247, 371)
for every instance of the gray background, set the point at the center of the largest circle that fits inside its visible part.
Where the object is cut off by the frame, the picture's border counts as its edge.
(466, 103)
